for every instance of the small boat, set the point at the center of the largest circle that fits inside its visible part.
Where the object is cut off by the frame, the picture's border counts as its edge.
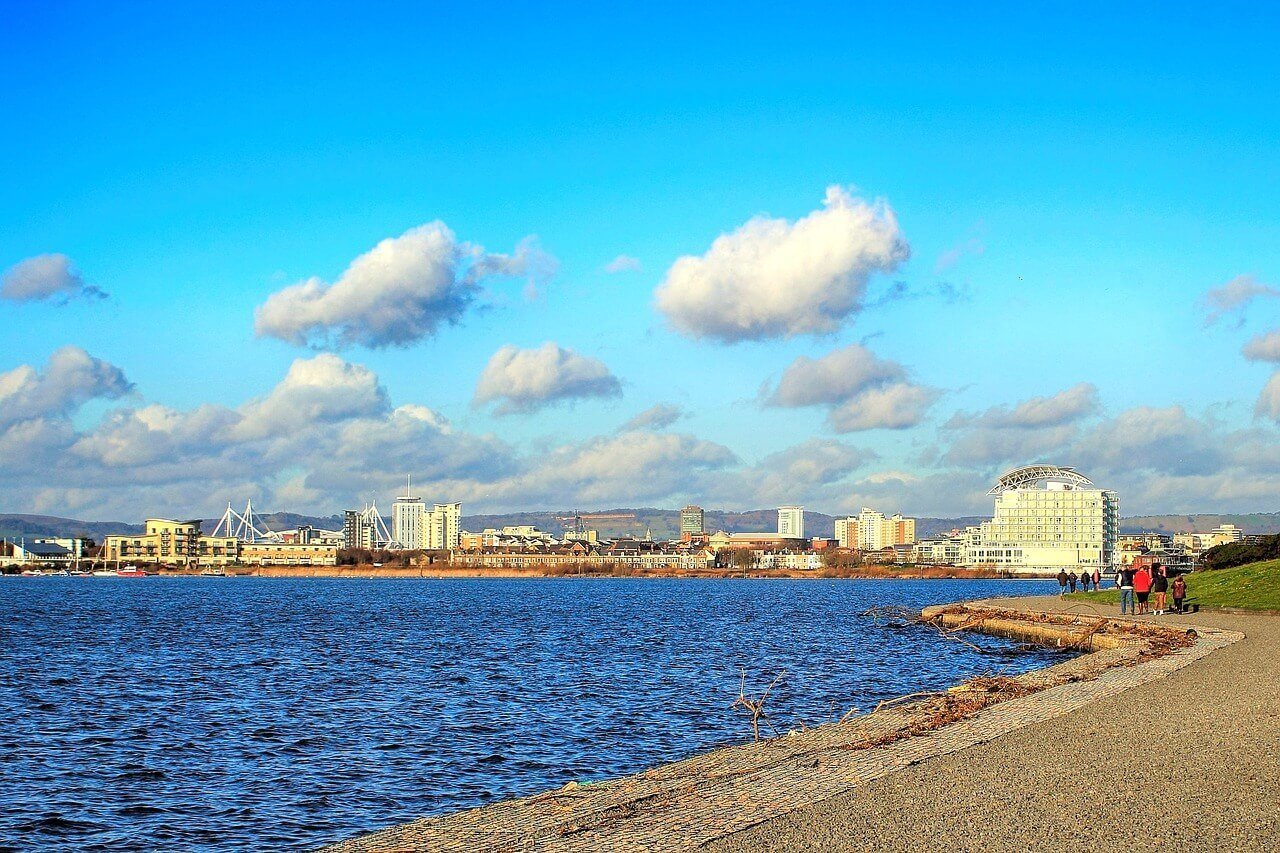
(104, 573)
(213, 573)
(78, 573)
(130, 572)
(33, 573)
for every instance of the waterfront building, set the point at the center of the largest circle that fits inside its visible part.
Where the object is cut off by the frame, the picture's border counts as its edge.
(358, 531)
(943, 551)
(1047, 518)
(791, 522)
(1223, 534)
(409, 520)
(869, 530)
(287, 554)
(171, 543)
(444, 527)
(53, 553)
(691, 522)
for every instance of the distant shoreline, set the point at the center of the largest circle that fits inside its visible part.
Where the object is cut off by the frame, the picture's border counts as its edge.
(461, 572)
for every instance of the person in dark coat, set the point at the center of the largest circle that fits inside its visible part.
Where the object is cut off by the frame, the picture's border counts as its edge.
(1062, 582)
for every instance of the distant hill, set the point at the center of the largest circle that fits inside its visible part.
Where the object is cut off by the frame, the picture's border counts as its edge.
(1254, 522)
(50, 526)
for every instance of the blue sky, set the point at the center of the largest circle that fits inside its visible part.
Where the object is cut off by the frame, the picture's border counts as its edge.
(1071, 181)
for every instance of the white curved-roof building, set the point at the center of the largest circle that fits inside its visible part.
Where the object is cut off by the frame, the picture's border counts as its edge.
(1047, 518)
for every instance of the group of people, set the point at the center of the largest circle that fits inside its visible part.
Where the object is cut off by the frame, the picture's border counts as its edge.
(1145, 590)
(1142, 591)
(1067, 579)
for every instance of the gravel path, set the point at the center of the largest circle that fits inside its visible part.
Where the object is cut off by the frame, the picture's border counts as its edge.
(1188, 762)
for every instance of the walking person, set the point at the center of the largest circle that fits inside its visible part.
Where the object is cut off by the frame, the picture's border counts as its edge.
(1124, 580)
(1159, 587)
(1142, 589)
(1084, 581)
(1097, 579)
(1062, 582)
(1179, 593)
(1071, 580)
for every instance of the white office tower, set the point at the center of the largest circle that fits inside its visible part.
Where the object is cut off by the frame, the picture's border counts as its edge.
(444, 525)
(1048, 518)
(409, 520)
(791, 522)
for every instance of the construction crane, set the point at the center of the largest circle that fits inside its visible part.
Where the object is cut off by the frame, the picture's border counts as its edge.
(578, 517)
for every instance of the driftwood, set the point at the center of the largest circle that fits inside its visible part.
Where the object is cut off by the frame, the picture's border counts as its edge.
(755, 707)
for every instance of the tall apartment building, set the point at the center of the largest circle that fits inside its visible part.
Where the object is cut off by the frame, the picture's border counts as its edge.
(869, 530)
(409, 521)
(358, 529)
(791, 522)
(1048, 518)
(691, 521)
(444, 526)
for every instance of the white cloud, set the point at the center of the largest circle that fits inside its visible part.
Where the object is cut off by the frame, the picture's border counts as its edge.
(1166, 440)
(1268, 405)
(525, 380)
(898, 405)
(623, 263)
(71, 378)
(772, 278)
(45, 277)
(323, 389)
(1264, 347)
(863, 390)
(399, 292)
(833, 378)
(1024, 433)
(1233, 297)
(659, 416)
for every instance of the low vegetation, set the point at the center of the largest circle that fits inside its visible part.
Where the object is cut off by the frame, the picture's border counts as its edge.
(1255, 586)
(1242, 553)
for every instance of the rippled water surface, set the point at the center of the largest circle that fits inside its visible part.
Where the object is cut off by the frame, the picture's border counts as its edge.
(246, 713)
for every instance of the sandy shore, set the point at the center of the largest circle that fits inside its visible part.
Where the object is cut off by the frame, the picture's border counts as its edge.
(1114, 749)
(1187, 762)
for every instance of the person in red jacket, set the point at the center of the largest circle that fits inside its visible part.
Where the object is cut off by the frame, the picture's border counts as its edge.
(1142, 588)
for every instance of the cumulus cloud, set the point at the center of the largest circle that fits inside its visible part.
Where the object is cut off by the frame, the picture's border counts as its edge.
(1026, 431)
(1268, 405)
(72, 377)
(863, 390)
(399, 292)
(1152, 438)
(43, 277)
(1232, 298)
(774, 279)
(895, 406)
(623, 263)
(659, 416)
(1264, 347)
(525, 380)
(324, 389)
(833, 378)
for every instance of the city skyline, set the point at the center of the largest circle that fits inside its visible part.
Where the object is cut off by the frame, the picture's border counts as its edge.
(824, 270)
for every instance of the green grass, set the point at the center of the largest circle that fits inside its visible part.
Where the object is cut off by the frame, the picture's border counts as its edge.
(1255, 586)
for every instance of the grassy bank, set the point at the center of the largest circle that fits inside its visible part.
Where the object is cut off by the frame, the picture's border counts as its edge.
(1255, 586)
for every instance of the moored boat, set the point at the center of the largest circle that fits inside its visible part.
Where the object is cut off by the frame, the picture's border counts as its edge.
(130, 572)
